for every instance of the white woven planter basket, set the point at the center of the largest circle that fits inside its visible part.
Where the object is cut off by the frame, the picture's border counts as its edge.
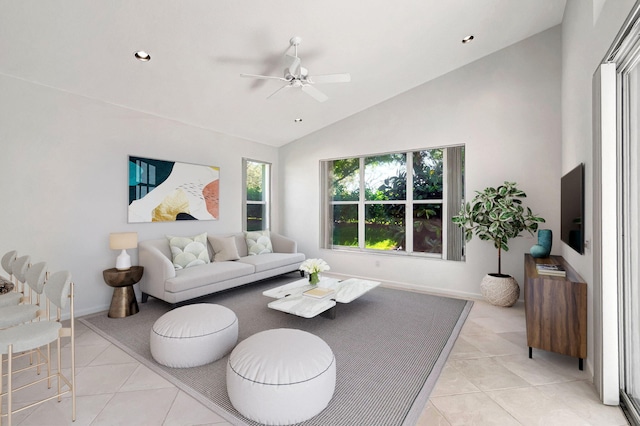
(500, 291)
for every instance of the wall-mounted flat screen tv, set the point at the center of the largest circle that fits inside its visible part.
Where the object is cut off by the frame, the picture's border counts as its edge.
(572, 209)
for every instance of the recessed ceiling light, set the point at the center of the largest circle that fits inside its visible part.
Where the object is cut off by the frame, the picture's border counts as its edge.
(467, 39)
(297, 120)
(143, 56)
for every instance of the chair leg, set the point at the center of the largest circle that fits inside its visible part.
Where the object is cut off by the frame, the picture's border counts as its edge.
(59, 370)
(73, 372)
(49, 364)
(1, 385)
(72, 329)
(9, 385)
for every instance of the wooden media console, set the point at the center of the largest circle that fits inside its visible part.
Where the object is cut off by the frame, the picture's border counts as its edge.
(556, 309)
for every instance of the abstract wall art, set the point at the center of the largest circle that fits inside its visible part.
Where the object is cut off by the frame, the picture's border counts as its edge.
(166, 191)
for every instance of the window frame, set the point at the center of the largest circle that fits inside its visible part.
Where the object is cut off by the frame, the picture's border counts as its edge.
(266, 193)
(326, 217)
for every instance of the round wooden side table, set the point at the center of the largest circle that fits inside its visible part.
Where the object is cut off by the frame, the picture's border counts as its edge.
(123, 301)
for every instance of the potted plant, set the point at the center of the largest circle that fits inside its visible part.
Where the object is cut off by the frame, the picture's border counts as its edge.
(497, 214)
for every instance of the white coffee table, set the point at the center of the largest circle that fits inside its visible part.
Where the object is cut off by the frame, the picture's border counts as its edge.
(290, 297)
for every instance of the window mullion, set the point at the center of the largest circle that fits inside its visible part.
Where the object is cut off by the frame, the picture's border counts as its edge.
(266, 182)
(408, 213)
(361, 207)
(445, 196)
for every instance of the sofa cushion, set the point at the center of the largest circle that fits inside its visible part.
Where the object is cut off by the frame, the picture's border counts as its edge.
(211, 273)
(241, 244)
(258, 242)
(189, 251)
(268, 261)
(224, 248)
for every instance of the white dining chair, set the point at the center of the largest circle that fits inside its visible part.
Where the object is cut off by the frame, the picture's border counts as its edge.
(25, 337)
(35, 279)
(19, 268)
(13, 297)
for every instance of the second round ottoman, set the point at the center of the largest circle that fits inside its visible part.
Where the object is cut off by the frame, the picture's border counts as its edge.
(193, 335)
(281, 376)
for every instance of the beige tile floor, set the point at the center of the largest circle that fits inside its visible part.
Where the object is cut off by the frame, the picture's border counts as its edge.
(488, 380)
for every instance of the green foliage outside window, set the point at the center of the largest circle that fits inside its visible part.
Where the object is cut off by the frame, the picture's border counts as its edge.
(256, 175)
(386, 180)
(255, 179)
(427, 174)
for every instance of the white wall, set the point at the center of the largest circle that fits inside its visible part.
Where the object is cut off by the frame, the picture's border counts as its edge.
(64, 166)
(585, 40)
(505, 108)
(588, 30)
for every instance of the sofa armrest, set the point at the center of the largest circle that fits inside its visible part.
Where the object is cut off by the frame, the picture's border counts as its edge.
(157, 269)
(282, 244)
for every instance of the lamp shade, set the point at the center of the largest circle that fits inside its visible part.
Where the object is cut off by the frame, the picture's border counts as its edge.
(123, 240)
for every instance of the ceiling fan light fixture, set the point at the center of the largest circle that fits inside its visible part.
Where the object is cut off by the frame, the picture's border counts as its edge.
(467, 39)
(143, 56)
(297, 76)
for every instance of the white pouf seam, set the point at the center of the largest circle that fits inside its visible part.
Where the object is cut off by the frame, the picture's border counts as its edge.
(196, 336)
(285, 384)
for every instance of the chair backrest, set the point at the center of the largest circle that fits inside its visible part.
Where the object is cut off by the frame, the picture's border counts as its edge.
(8, 259)
(36, 276)
(57, 288)
(20, 267)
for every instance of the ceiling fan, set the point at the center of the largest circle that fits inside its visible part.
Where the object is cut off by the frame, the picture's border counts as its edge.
(297, 76)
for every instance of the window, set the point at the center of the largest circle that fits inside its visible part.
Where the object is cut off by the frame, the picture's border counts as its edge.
(395, 202)
(257, 177)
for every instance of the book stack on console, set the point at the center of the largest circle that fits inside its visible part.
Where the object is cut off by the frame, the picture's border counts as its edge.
(555, 270)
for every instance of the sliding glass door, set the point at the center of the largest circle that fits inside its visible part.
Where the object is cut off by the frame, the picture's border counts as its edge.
(627, 59)
(629, 79)
(630, 250)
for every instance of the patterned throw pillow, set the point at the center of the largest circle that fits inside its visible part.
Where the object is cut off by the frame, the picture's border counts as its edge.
(258, 242)
(189, 251)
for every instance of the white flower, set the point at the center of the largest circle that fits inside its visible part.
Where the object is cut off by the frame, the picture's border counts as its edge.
(314, 265)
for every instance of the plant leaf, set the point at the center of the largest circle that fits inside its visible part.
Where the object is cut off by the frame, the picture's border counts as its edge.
(497, 214)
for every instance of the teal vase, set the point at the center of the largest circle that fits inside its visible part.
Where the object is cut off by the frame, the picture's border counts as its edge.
(543, 248)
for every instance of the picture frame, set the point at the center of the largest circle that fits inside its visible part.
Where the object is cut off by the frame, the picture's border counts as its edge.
(167, 191)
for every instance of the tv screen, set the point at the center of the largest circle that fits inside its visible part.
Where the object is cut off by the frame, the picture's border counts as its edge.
(572, 209)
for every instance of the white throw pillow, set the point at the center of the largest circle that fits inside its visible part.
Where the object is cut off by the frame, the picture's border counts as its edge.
(189, 251)
(258, 242)
(224, 248)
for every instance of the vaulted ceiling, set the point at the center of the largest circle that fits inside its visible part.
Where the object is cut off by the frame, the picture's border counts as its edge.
(199, 48)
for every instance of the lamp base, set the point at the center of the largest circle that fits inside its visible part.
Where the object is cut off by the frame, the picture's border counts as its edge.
(123, 261)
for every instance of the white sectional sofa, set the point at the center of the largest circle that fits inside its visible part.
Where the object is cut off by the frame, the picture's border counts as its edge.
(163, 281)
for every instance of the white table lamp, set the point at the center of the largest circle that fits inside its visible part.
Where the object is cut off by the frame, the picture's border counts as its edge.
(123, 241)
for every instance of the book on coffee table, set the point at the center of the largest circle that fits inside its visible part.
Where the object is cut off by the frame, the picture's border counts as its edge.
(319, 292)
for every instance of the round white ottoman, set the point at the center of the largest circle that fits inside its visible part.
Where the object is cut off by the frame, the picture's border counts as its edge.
(281, 376)
(193, 335)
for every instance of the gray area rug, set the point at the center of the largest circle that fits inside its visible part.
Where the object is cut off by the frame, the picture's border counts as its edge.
(390, 347)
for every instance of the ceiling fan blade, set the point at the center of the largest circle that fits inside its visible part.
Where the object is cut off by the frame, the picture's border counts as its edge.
(294, 64)
(330, 78)
(263, 77)
(314, 93)
(279, 90)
